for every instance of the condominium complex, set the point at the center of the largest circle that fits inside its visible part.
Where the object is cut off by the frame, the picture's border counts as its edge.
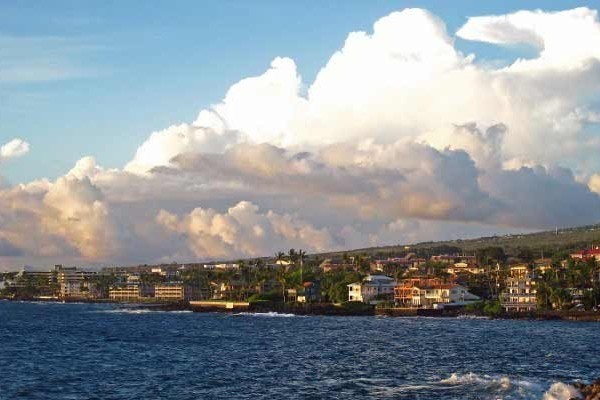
(520, 294)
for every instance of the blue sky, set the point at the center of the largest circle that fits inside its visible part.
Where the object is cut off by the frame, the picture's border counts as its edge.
(107, 73)
(405, 136)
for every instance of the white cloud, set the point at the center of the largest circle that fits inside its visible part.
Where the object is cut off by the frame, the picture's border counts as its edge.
(400, 138)
(13, 149)
(162, 146)
(564, 38)
(243, 231)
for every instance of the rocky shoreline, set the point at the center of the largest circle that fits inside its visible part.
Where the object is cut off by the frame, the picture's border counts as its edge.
(590, 391)
(343, 310)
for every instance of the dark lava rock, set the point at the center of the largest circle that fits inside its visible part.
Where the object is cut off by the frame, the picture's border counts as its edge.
(591, 391)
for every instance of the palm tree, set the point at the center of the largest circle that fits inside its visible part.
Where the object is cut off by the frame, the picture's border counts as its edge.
(301, 257)
(281, 279)
(293, 256)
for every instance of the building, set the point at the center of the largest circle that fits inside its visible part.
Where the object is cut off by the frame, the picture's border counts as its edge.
(520, 271)
(453, 258)
(125, 293)
(520, 294)
(222, 290)
(329, 265)
(464, 268)
(404, 290)
(74, 283)
(309, 293)
(410, 262)
(177, 292)
(429, 294)
(372, 289)
(164, 272)
(222, 266)
(593, 252)
(130, 292)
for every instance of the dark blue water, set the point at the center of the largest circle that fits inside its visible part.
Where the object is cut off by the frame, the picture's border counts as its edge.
(83, 351)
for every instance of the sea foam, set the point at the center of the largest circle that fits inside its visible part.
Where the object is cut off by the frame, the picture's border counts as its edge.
(562, 391)
(266, 314)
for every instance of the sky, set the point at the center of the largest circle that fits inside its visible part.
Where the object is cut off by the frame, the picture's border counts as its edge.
(178, 131)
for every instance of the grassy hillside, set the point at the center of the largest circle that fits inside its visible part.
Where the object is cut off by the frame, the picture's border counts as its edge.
(544, 243)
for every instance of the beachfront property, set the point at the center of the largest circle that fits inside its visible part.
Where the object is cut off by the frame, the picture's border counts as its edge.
(428, 293)
(520, 294)
(125, 293)
(408, 288)
(74, 283)
(372, 289)
(176, 292)
(130, 292)
(225, 290)
(310, 292)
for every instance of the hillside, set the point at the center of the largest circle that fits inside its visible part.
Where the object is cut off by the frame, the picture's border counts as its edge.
(541, 243)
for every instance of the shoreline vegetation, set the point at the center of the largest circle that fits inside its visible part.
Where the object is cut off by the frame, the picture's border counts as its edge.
(329, 309)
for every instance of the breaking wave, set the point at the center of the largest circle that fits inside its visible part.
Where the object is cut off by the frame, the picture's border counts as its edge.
(142, 311)
(270, 314)
(561, 391)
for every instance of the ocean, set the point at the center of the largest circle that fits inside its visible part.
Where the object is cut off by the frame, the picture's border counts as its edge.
(94, 351)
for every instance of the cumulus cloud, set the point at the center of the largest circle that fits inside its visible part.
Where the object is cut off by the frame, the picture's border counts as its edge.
(401, 137)
(576, 40)
(13, 149)
(243, 231)
(407, 79)
(65, 218)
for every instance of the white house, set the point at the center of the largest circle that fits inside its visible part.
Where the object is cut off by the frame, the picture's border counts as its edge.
(372, 288)
(427, 296)
(462, 267)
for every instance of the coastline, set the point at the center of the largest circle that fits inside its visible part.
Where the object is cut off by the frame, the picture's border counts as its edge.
(328, 309)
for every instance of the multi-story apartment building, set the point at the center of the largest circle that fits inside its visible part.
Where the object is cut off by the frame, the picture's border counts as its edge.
(520, 294)
(74, 283)
(130, 292)
(177, 292)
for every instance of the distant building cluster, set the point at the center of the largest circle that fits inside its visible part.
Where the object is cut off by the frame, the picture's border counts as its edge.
(410, 281)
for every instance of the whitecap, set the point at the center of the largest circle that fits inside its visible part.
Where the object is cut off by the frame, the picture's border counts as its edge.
(562, 391)
(142, 311)
(270, 314)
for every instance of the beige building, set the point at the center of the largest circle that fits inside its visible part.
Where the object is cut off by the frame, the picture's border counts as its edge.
(74, 283)
(440, 294)
(462, 268)
(520, 294)
(176, 292)
(130, 292)
(125, 293)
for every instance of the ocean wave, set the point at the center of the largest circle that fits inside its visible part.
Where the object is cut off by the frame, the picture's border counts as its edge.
(142, 311)
(562, 391)
(469, 316)
(503, 382)
(496, 386)
(270, 314)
